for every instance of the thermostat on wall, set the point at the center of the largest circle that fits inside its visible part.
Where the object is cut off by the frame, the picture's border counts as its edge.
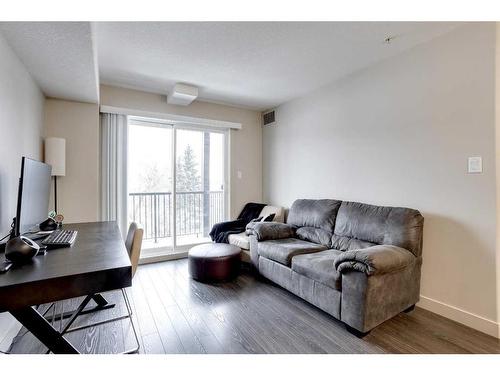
(475, 164)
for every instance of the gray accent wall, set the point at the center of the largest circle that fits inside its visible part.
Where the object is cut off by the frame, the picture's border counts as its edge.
(399, 133)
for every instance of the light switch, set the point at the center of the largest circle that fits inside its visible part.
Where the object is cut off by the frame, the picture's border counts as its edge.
(475, 164)
(239, 174)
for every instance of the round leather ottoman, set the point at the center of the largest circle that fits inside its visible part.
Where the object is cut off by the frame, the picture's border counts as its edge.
(214, 262)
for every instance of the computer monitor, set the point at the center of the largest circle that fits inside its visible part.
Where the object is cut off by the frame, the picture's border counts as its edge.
(33, 195)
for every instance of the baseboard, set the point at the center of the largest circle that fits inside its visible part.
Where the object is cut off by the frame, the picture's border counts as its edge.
(469, 319)
(162, 257)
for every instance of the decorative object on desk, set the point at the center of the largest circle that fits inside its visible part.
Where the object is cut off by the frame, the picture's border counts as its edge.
(49, 224)
(21, 249)
(55, 155)
(59, 218)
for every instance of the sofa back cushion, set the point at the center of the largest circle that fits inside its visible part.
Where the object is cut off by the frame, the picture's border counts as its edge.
(360, 225)
(277, 211)
(315, 213)
(316, 235)
(345, 243)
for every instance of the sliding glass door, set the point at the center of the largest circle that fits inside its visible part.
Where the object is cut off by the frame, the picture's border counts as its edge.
(176, 183)
(199, 182)
(150, 182)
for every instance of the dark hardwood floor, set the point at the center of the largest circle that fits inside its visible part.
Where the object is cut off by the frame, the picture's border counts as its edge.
(174, 314)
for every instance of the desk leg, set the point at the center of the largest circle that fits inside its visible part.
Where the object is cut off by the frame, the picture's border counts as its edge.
(100, 301)
(34, 322)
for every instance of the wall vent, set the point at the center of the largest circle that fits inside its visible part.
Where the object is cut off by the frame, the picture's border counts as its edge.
(269, 118)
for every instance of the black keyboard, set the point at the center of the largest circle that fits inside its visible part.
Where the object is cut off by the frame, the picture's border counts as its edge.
(60, 238)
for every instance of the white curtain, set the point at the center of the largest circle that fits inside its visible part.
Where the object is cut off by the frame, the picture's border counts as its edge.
(114, 169)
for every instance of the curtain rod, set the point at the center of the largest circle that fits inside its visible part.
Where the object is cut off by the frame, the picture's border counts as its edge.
(179, 119)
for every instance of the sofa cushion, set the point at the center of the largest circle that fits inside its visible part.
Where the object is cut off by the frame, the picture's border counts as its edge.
(315, 235)
(319, 267)
(282, 251)
(269, 217)
(277, 211)
(317, 213)
(348, 243)
(265, 231)
(378, 225)
(240, 239)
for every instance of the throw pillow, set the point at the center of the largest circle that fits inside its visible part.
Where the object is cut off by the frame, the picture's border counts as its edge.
(269, 217)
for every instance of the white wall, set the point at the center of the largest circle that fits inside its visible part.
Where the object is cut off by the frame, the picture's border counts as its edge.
(245, 144)
(399, 133)
(21, 121)
(77, 192)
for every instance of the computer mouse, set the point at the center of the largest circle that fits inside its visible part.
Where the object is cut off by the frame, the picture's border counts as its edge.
(21, 249)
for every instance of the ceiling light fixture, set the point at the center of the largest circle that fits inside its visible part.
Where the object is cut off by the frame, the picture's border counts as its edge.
(182, 94)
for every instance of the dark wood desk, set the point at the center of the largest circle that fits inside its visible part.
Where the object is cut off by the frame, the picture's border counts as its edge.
(97, 262)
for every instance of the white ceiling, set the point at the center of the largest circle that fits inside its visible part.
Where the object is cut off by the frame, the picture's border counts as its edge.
(254, 64)
(60, 56)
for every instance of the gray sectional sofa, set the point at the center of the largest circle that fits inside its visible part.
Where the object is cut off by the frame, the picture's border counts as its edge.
(358, 262)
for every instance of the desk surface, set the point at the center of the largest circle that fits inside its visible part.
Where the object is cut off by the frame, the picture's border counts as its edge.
(97, 261)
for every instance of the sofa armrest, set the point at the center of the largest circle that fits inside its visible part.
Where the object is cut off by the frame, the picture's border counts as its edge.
(265, 231)
(254, 251)
(374, 260)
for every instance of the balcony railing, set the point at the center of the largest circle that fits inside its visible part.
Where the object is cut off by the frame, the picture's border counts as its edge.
(196, 212)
